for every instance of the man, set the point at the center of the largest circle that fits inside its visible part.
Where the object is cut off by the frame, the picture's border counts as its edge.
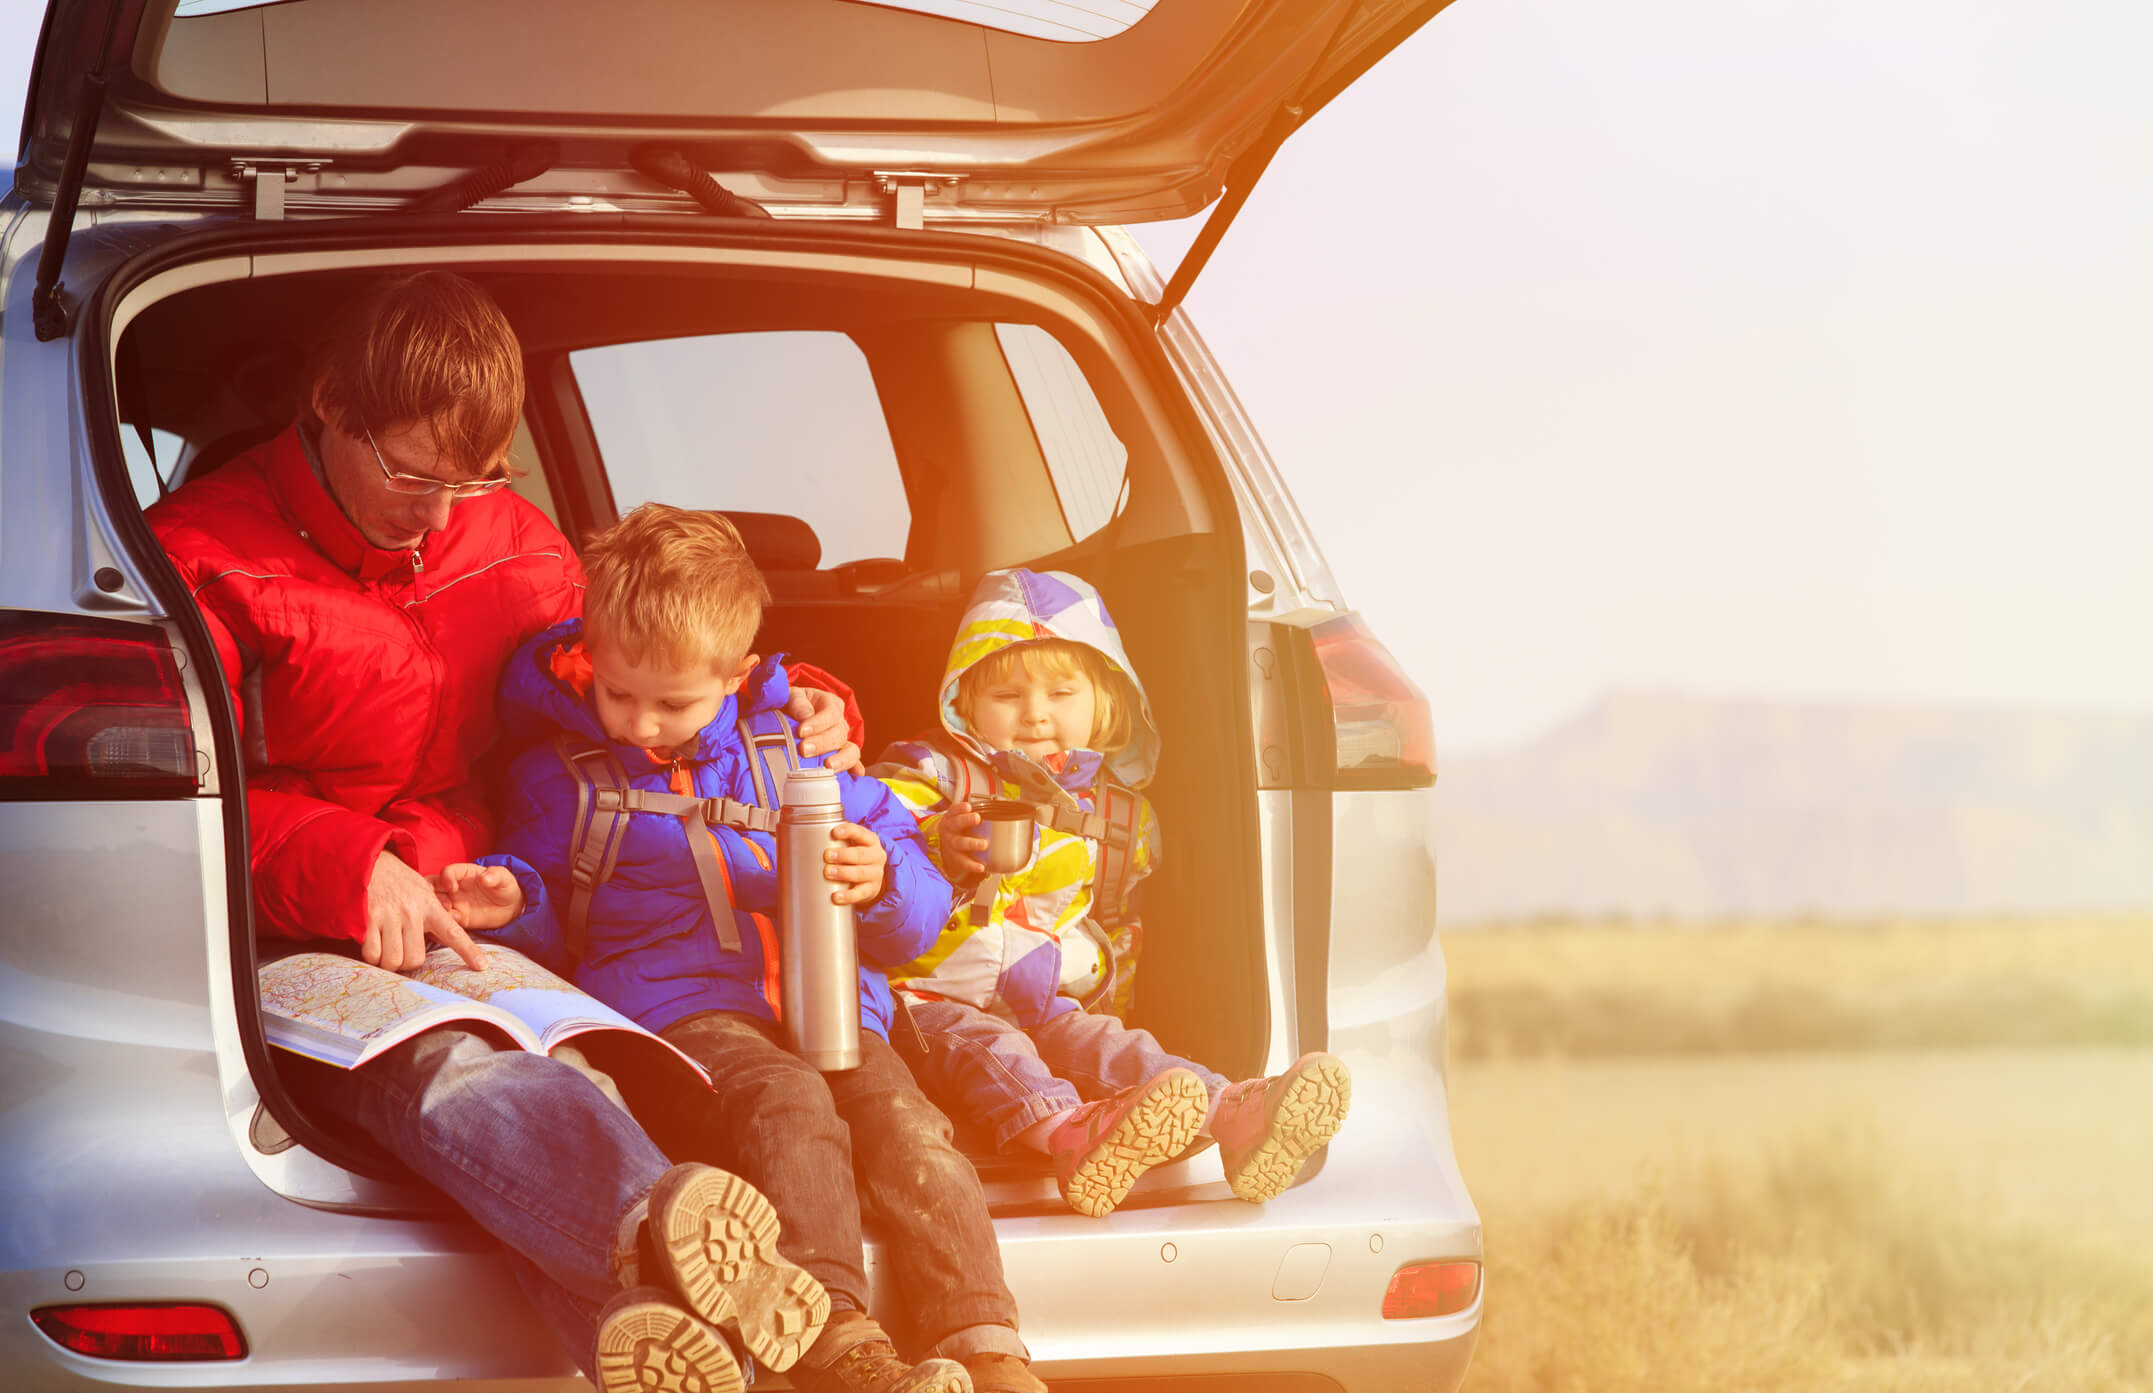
(365, 575)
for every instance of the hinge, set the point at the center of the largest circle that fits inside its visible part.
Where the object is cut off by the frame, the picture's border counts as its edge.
(270, 176)
(908, 193)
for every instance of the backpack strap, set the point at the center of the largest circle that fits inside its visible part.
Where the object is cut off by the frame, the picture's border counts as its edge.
(1117, 813)
(763, 734)
(595, 844)
(604, 802)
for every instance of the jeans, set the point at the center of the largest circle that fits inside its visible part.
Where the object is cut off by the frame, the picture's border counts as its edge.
(529, 1147)
(992, 1071)
(828, 1149)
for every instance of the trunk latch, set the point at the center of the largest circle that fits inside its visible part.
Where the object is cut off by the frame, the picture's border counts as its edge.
(270, 176)
(908, 193)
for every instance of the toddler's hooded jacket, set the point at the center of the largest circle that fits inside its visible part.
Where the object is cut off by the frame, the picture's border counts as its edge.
(1035, 939)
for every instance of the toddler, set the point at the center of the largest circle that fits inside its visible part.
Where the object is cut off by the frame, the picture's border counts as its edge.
(1019, 998)
(670, 919)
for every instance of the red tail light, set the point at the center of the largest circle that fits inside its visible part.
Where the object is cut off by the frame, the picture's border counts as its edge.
(161, 1333)
(1431, 1289)
(1379, 717)
(91, 708)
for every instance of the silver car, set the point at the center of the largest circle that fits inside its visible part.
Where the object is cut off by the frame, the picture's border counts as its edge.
(856, 269)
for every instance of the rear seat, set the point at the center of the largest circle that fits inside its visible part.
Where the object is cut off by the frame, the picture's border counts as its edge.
(888, 645)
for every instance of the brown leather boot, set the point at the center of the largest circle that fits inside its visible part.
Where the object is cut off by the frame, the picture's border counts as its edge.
(1002, 1373)
(869, 1363)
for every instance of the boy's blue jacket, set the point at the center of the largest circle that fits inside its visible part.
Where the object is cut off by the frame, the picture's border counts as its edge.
(651, 949)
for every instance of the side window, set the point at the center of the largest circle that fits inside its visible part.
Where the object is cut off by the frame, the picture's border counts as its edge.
(1087, 461)
(145, 472)
(754, 422)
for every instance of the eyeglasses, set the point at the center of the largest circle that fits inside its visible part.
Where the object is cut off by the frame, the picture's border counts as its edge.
(420, 483)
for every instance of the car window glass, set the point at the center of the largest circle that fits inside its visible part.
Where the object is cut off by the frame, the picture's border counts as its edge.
(528, 478)
(1086, 460)
(142, 471)
(784, 422)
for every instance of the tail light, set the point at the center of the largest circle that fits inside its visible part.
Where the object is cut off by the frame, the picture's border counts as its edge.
(162, 1333)
(91, 708)
(1431, 1289)
(1379, 718)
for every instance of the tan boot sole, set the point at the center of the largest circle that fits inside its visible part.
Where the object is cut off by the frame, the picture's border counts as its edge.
(718, 1239)
(649, 1345)
(1158, 1128)
(1308, 1114)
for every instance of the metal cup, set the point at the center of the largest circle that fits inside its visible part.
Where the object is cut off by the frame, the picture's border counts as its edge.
(1007, 826)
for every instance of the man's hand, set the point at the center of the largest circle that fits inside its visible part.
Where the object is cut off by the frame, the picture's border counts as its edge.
(402, 912)
(855, 861)
(964, 858)
(821, 716)
(479, 897)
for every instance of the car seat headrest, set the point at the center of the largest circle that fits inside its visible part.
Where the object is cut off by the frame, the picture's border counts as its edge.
(777, 542)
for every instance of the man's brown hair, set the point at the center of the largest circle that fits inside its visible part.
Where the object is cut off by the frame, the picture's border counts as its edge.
(425, 347)
(673, 584)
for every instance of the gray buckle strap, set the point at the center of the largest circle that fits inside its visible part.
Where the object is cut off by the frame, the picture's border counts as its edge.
(982, 908)
(730, 812)
(704, 847)
(695, 821)
(1074, 822)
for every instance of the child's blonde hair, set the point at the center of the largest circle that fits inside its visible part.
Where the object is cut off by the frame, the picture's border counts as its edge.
(674, 584)
(1113, 720)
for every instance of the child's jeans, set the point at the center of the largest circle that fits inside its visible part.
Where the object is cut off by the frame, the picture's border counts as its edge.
(1010, 1078)
(826, 1148)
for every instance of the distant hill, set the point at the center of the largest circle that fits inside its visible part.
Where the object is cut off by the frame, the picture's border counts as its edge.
(1703, 807)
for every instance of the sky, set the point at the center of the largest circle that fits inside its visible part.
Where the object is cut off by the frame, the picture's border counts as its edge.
(1770, 350)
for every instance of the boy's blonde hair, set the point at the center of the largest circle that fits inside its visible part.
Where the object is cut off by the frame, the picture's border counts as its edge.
(1113, 720)
(674, 584)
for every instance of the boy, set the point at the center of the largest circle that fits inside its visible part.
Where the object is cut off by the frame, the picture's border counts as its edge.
(657, 678)
(1039, 704)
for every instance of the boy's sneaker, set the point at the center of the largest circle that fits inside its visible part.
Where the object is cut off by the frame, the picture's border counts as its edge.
(1002, 1373)
(1104, 1146)
(1268, 1128)
(648, 1344)
(712, 1238)
(869, 1363)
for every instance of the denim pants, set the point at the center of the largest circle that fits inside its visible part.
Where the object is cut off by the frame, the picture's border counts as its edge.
(830, 1149)
(1009, 1078)
(529, 1147)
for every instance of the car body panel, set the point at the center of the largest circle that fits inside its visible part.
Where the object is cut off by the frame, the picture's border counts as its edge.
(141, 1158)
(361, 99)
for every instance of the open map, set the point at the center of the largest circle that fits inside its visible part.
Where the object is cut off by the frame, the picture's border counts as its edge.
(342, 1011)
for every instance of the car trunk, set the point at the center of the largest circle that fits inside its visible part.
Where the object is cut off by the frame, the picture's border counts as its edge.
(213, 357)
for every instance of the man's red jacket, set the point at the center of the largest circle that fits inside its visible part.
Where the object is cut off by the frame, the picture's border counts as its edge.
(364, 678)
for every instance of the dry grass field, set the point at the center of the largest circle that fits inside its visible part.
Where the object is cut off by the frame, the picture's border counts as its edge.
(1803, 1218)
(1627, 988)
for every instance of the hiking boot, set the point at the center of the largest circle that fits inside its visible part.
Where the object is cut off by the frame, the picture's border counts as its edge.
(1002, 1373)
(648, 1344)
(712, 1238)
(1103, 1147)
(1268, 1128)
(869, 1363)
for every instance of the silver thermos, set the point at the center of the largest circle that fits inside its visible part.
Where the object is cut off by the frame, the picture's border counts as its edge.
(819, 958)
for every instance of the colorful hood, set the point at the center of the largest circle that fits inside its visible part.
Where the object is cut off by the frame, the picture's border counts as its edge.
(1018, 606)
